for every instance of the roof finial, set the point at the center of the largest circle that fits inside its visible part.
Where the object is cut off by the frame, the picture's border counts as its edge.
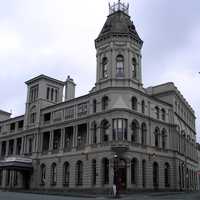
(118, 7)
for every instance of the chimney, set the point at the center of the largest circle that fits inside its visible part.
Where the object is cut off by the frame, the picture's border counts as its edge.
(69, 89)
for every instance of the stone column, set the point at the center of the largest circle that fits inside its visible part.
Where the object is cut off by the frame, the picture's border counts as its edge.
(75, 136)
(89, 133)
(51, 141)
(7, 146)
(98, 133)
(128, 174)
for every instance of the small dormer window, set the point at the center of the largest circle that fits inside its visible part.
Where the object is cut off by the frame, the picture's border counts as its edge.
(105, 68)
(120, 66)
(133, 67)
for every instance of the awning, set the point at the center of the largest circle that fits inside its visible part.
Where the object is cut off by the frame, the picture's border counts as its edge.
(17, 163)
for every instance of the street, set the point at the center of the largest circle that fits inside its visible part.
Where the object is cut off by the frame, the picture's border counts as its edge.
(141, 196)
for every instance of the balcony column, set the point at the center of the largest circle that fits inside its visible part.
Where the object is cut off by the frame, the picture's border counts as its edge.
(22, 142)
(51, 141)
(129, 133)
(75, 136)
(88, 134)
(98, 133)
(7, 147)
(139, 135)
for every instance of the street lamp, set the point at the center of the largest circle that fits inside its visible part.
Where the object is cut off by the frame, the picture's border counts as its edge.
(115, 177)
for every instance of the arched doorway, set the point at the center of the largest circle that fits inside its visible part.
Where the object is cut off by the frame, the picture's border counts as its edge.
(120, 173)
(155, 175)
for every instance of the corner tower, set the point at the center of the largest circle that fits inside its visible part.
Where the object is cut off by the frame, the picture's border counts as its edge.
(118, 51)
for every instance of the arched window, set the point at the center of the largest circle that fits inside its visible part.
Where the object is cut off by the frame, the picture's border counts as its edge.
(53, 174)
(42, 174)
(167, 175)
(143, 106)
(157, 112)
(163, 114)
(94, 106)
(104, 102)
(120, 129)
(105, 170)
(164, 138)
(134, 68)
(94, 132)
(66, 174)
(135, 131)
(120, 66)
(105, 68)
(79, 173)
(144, 173)
(33, 115)
(157, 136)
(94, 171)
(134, 171)
(155, 175)
(134, 103)
(143, 134)
(104, 131)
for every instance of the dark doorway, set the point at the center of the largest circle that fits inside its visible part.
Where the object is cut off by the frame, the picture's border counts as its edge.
(26, 179)
(120, 174)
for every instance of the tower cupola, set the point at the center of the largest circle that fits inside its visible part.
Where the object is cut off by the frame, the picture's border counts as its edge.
(118, 50)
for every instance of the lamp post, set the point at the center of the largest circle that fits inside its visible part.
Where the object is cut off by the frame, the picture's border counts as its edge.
(115, 177)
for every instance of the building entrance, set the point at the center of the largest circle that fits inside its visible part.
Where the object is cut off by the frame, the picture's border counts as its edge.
(120, 174)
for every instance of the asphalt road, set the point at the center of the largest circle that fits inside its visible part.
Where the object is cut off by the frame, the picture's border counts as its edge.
(145, 196)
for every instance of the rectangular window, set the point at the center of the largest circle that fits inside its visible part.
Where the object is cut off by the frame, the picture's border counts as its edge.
(11, 147)
(20, 124)
(69, 113)
(3, 148)
(45, 141)
(81, 135)
(30, 145)
(12, 127)
(68, 138)
(57, 115)
(48, 93)
(119, 129)
(47, 117)
(19, 145)
(56, 139)
(82, 109)
(34, 93)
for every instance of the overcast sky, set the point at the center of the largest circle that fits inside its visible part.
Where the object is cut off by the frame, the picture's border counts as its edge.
(56, 38)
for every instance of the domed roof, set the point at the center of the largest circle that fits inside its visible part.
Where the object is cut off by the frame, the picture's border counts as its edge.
(119, 24)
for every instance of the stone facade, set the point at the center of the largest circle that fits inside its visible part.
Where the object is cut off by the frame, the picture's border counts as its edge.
(120, 132)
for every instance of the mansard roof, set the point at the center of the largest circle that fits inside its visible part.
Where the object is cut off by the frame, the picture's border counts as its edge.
(119, 24)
